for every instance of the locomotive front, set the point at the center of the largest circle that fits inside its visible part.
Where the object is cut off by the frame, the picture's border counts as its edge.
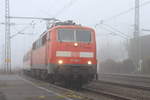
(75, 53)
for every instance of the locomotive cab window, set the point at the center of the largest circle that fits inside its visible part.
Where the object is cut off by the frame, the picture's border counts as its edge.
(66, 35)
(44, 39)
(74, 35)
(83, 36)
(48, 36)
(34, 46)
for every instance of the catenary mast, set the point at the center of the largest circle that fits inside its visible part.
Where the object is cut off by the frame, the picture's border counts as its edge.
(7, 38)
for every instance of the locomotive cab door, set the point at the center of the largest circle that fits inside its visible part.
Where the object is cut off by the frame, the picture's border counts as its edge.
(48, 66)
(47, 48)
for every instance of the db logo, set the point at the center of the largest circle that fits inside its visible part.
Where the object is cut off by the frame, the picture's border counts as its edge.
(75, 60)
(75, 54)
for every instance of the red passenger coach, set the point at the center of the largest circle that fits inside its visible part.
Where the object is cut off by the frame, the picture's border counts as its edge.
(66, 52)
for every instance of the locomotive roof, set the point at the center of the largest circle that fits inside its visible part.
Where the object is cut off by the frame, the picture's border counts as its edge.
(65, 24)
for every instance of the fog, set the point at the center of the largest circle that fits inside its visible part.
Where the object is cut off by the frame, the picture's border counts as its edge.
(110, 44)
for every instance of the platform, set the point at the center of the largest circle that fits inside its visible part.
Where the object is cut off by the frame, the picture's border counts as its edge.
(14, 87)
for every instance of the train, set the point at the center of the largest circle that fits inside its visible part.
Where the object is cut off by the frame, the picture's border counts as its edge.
(66, 53)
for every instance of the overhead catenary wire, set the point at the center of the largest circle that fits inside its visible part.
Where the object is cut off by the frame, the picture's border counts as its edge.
(68, 5)
(118, 32)
(58, 13)
(26, 27)
(102, 22)
(115, 33)
(125, 12)
(21, 31)
(115, 29)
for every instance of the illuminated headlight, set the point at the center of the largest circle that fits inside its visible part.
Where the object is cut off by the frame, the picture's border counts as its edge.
(75, 44)
(89, 62)
(87, 54)
(63, 54)
(60, 62)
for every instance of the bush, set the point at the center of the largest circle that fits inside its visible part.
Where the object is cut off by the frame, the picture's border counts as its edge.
(111, 66)
(146, 66)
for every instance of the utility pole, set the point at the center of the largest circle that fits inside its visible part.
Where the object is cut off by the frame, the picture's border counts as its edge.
(137, 19)
(8, 35)
(7, 38)
(136, 35)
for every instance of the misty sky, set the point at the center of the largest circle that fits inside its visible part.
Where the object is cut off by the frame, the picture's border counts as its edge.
(85, 12)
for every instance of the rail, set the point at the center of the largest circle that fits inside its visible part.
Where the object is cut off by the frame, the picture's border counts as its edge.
(130, 87)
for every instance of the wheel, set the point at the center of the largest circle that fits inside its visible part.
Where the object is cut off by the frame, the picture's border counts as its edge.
(96, 76)
(44, 75)
(51, 78)
(67, 84)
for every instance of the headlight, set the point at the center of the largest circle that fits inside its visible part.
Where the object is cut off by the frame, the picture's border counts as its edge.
(75, 44)
(60, 62)
(89, 62)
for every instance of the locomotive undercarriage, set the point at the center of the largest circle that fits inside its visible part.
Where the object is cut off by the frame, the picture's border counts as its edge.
(69, 75)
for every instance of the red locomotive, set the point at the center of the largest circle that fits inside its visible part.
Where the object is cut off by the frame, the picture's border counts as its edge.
(66, 52)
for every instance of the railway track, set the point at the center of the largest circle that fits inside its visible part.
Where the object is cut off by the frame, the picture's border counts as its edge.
(104, 90)
(134, 80)
(123, 86)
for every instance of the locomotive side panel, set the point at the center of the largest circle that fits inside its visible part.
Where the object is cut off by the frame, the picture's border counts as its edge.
(38, 58)
(27, 61)
(39, 53)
